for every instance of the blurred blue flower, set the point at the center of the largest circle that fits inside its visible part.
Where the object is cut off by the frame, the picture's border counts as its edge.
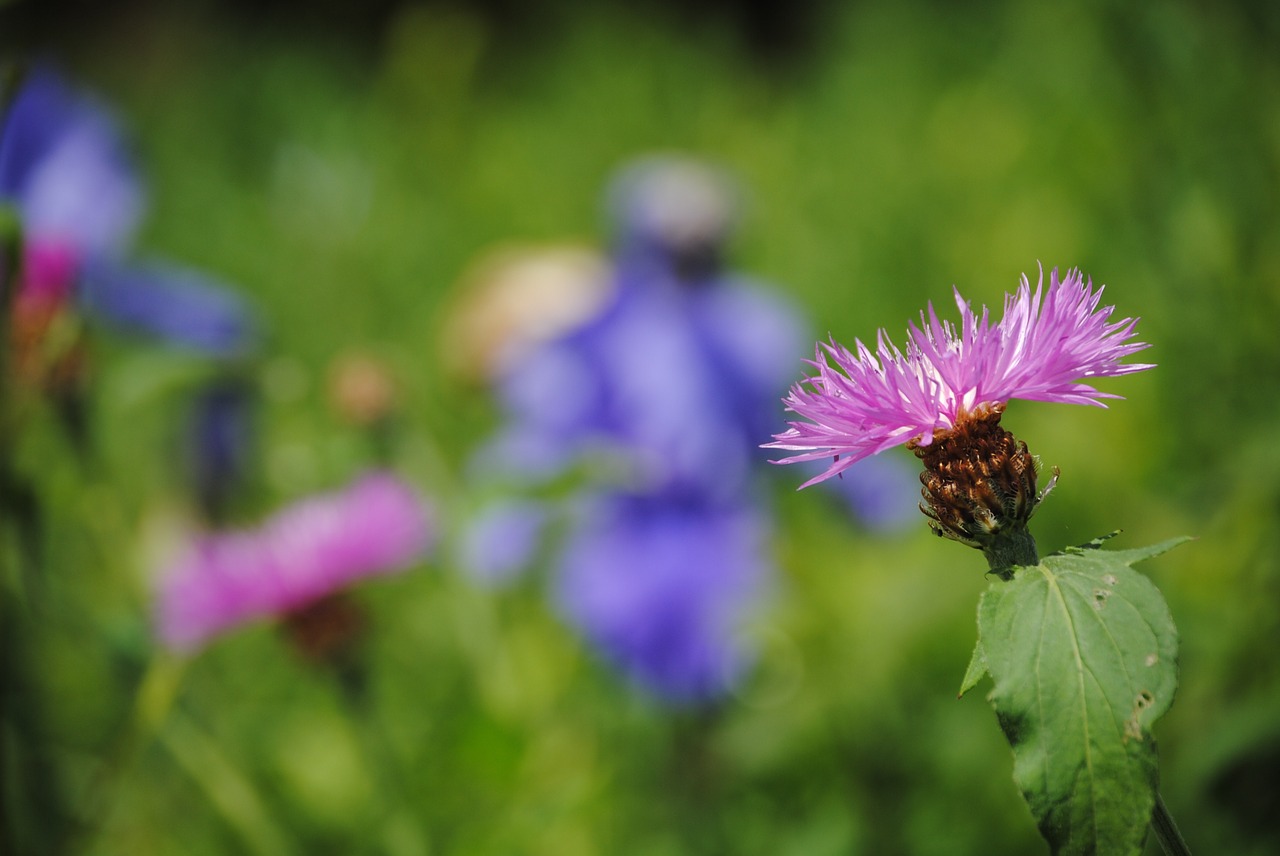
(65, 167)
(682, 383)
(660, 402)
(663, 588)
(175, 304)
(681, 374)
(497, 545)
(219, 443)
(881, 492)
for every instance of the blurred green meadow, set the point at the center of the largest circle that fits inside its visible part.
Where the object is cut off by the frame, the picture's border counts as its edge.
(345, 175)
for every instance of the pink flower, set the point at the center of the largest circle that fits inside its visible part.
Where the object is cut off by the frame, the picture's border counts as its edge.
(314, 548)
(49, 271)
(859, 404)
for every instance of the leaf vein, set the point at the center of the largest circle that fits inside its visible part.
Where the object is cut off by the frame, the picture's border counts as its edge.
(1084, 701)
(1115, 645)
(1044, 773)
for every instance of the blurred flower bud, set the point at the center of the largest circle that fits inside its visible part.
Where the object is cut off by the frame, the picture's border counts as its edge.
(361, 388)
(676, 208)
(220, 443)
(514, 299)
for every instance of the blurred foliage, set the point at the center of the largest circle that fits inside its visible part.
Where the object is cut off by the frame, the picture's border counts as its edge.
(345, 177)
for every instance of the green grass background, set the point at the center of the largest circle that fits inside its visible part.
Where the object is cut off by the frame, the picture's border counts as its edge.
(344, 184)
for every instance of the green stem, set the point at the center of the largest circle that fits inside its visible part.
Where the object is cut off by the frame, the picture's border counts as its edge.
(1171, 841)
(1011, 549)
(152, 701)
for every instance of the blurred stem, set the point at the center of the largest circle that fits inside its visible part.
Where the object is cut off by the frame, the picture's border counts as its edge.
(195, 752)
(151, 704)
(156, 692)
(693, 778)
(10, 255)
(227, 789)
(19, 514)
(1171, 841)
(383, 763)
(19, 504)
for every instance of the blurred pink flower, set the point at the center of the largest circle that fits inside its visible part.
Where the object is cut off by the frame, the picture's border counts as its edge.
(49, 270)
(305, 552)
(860, 404)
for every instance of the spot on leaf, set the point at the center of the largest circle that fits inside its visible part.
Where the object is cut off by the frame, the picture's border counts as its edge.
(1132, 727)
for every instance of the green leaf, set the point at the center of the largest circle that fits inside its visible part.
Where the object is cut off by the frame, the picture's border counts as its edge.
(977, 670)
(1083, 654)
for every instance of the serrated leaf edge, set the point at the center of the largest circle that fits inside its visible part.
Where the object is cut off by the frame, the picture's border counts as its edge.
(1129, 557)
(976, 671)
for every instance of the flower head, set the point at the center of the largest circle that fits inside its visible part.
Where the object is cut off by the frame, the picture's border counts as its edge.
(300, 556)
(862, 402)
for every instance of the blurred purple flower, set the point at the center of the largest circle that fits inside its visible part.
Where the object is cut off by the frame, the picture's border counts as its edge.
(65, 166)
(674, 215)
(880, 492)
(305, 552)
(662, 590)
(219, 443)
(673, 384)
(499, 543)
(681, 382)
(177, 305)
(679, 375)
(859, 405)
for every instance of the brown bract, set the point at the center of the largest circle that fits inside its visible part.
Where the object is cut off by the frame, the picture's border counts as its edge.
(325, 629)
(980, 485)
